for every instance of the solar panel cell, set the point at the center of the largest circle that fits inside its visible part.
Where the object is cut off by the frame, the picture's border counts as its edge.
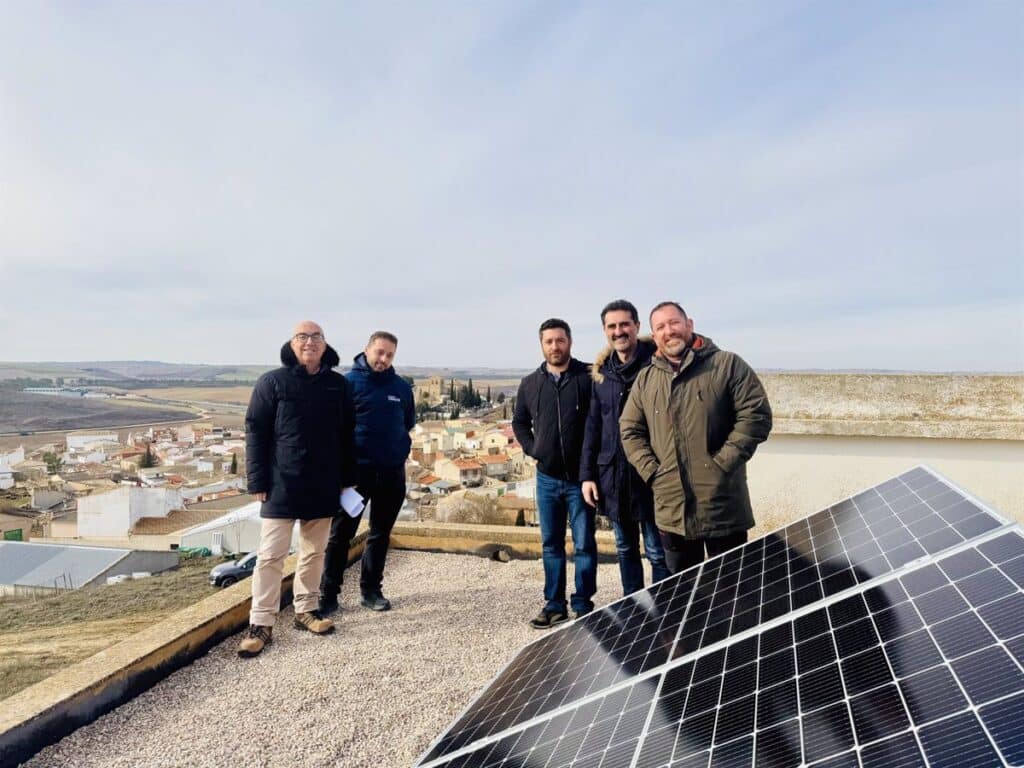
(878, 714)
(1003, 720)
(958, 741)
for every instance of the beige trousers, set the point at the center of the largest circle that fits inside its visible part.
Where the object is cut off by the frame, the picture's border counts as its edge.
(275, 538)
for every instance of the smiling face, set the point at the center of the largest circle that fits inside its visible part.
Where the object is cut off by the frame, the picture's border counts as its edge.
(621, 331)
(556, 347)
(380, 353)
(308, 344)
(672, 330)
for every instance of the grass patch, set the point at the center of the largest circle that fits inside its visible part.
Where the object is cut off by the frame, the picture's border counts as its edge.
(41, 636)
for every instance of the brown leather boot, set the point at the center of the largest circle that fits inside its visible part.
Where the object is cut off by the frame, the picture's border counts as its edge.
(256, 639)
(314, 622)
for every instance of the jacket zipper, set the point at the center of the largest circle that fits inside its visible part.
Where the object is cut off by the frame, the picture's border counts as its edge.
(561, 441)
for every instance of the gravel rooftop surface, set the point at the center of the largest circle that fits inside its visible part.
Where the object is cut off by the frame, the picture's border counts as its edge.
(375, 693)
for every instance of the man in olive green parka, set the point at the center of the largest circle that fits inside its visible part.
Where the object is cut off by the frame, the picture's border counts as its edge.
(693, 419)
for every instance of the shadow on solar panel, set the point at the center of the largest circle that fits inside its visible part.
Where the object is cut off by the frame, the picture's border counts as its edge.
(765, 655)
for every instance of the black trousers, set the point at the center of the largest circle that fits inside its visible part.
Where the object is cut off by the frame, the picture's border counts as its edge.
(384, 491)
(682, 553)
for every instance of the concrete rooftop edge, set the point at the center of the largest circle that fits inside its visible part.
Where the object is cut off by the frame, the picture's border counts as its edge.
(44, 713)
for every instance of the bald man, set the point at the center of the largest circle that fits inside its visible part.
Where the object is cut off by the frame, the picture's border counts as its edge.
(299, 455)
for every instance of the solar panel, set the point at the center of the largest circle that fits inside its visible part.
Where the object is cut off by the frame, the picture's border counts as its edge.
(749, 651)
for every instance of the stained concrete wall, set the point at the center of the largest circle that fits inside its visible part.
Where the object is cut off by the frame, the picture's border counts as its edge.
(792, 476)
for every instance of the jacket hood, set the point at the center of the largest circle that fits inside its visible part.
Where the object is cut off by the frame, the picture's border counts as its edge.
(575, 366)
(597, 370)
(328, 361)
(701, 348)
(360, 364)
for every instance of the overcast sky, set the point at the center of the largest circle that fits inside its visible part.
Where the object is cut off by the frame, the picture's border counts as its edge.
(821, 184)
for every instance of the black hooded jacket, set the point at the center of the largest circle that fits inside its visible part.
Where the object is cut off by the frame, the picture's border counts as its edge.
(549, 419)
(299, 438)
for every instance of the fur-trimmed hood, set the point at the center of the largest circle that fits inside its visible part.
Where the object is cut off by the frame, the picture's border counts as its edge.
(328, 361)
(597, 369)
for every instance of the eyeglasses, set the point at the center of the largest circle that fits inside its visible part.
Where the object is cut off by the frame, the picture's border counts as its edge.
(316, 338)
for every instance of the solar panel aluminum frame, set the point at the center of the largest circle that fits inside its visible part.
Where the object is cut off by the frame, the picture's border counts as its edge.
(698, 570)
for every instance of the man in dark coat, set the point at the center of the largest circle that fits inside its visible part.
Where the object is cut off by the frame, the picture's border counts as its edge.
(609, 481)
(693, 420)
(550, 412)
(385, 411)
(300, 454)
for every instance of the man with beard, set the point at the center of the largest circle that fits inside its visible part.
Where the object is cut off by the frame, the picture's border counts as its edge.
(610, 484)
(551, 409)
(693, 419)
(385, 411)
(299, 455)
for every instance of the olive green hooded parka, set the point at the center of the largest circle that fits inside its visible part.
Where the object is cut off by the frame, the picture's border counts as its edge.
(690, 434)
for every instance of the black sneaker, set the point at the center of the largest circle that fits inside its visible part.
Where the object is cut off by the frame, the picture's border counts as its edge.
(547, 619)
(581, 614)
(329, 605)
(375, 601)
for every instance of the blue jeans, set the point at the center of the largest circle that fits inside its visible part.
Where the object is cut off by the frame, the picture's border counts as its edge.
(627, 547)
(557, 502)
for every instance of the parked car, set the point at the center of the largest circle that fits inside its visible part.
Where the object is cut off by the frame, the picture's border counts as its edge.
(226, 574)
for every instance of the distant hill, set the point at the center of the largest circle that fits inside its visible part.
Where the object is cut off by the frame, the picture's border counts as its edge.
(140, 373)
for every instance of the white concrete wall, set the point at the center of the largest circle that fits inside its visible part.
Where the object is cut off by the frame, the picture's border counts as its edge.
(115, 513)
(152, 502)
(12, 458)
(78, 442)
(792, 476)
(105, 515)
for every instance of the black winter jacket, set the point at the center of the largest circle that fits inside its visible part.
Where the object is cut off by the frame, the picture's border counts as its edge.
(548, 420)
(299, 446)
(620, 487)
(385, 412)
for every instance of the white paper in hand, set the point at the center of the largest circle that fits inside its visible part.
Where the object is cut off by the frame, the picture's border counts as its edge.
(352, 502)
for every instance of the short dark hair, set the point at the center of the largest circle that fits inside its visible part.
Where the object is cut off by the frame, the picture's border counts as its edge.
(664, 304)
(620, 305)
(382, 335)
(552, 323)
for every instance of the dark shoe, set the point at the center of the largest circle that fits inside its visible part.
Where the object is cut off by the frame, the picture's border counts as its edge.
(329, 605)
(547, 619)
(256, 639)
(581, 614)
(314, 622)
(375, 601)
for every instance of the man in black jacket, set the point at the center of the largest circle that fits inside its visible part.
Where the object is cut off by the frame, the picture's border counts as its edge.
(300, 454)
(384, 413)
(609, 481)
(551, 408)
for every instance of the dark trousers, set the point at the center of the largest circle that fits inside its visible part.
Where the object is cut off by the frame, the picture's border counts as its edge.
(384, 491)
(682, 553)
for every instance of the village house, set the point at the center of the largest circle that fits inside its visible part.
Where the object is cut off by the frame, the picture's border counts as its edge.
(468, 473)
(6, 477)
(496, 466)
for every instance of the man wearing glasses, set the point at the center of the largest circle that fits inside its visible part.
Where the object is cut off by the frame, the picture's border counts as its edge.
(300, 454)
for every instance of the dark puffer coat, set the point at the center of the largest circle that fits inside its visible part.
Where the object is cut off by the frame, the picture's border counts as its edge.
(299, 439)
(549, 418)
(623, 495)
(385, 412)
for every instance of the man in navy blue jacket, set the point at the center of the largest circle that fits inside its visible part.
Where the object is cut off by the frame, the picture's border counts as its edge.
(385, 411)
(609, 481)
